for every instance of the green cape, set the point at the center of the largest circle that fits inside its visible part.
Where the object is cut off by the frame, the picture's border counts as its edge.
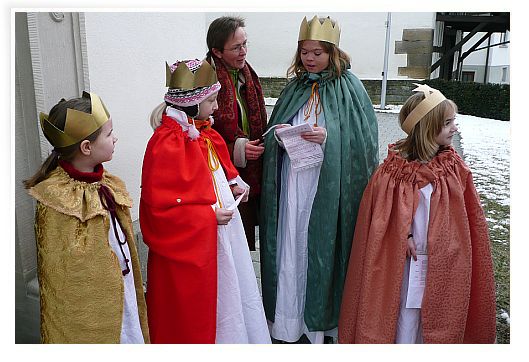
(351, 156)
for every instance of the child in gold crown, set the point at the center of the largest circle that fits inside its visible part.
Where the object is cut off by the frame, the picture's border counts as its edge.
(420, 269)
(89, 274)
(307, 215)
(201, 284)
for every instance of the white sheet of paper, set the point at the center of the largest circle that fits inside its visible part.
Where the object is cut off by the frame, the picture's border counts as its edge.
(237, 202)
(273, 127)
(303, 154)
(417, 281)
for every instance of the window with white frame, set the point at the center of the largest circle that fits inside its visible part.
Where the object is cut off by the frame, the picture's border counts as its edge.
(504, 74)
(467, 76)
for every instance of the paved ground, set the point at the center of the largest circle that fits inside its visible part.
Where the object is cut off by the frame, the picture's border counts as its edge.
(388, 132)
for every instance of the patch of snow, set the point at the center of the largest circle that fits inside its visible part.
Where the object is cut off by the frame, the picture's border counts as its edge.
(269, 101)
(502, 242)
(390, 108)
(505, 316)
(486, 147)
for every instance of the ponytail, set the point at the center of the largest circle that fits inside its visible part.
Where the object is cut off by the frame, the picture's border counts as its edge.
(156, 115)
(45, 169)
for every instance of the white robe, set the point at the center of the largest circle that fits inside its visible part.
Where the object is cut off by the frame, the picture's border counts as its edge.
(130, 326)
(409, 327)
(240, 312)
(298, 189)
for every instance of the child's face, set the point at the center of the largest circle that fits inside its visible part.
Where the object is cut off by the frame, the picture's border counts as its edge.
(207, 107)
(103, 146)
(444, 138)
(313, 56)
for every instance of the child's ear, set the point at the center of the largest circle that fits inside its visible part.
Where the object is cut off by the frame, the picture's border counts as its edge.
(85, 147)
(217, 53)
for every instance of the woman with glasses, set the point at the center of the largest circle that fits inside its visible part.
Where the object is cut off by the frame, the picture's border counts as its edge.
(241, 117)
(308, 214)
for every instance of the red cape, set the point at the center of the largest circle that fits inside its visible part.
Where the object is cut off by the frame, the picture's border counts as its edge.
(180, 228)
(459, 300)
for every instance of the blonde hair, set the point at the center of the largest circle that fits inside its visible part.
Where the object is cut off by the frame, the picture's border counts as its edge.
(420, 143)
(156, 115)
(339, 60)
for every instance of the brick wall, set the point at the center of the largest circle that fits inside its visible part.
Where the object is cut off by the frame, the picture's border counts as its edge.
(272, 86)
(397, 90)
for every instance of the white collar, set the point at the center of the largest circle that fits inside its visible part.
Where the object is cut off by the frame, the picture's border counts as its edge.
(181, 118)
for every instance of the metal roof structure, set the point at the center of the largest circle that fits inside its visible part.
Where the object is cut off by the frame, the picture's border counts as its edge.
(451, 26)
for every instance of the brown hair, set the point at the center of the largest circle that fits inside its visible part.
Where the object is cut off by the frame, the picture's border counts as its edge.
(57, 117)
(220, 30)
(420, 143)
(339, 60)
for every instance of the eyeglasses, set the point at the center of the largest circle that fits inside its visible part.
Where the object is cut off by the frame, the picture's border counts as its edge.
(238, 48)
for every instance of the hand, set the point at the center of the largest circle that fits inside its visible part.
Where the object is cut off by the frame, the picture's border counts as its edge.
(279, 126)
(411, 249)
(254, 149)
(316, 136)
(223, 216)
(237, 190)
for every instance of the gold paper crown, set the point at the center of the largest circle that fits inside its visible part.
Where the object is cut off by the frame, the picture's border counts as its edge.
(183, 78)
(318, 31)
(78, 125)
(432, 98)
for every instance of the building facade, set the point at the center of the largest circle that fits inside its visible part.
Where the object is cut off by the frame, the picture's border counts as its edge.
(488, 65)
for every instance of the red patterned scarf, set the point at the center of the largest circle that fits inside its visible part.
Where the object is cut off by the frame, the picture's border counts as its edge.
(227, 116)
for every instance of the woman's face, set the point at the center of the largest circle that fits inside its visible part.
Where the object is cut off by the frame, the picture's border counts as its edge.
(314, 58)
(234, 53)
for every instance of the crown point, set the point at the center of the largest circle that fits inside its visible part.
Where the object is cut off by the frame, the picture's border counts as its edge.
(195, 75)
(316, 30)
(78, 124)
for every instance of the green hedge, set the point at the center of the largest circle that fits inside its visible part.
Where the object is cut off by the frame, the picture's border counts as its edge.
(476, 99)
